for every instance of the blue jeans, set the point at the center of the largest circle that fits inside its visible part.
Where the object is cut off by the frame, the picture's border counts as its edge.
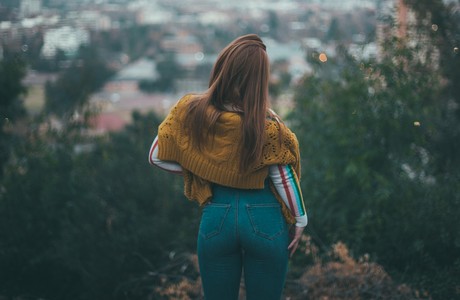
(243, 230)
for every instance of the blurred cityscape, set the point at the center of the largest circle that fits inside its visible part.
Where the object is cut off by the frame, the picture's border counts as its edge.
(162, 49)
(135, 35)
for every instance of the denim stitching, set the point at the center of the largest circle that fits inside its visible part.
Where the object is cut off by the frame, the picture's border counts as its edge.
(219, 228)
(237, 198)
(255, 228)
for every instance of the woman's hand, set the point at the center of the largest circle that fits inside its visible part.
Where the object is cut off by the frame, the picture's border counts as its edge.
(296, 233)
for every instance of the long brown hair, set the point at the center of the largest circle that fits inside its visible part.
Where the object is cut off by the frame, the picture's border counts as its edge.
(239, 79)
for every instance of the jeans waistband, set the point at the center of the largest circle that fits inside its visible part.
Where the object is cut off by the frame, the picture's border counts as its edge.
(226, 194)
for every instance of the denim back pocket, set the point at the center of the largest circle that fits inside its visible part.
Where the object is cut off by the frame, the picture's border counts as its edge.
(266, 219)
(212, 219)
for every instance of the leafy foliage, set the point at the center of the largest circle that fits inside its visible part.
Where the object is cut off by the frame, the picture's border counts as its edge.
(381, 170)
(169, 70)
(87, 222)
(70, 92)
(12, 70)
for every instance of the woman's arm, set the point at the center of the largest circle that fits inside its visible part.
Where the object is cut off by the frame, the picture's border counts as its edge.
(287, 186)
(169, 166)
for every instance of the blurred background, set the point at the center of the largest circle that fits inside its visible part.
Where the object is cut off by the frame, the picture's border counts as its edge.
(370, 87)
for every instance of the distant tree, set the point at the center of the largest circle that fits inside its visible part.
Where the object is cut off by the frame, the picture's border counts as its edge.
(71, 91)
(6, 9)
(11, 3)
(203, 71)
(54, 64)
(282, 84)
(169, 71)
(441, 26)
(12, 71)
(273, 23)
(334, 33)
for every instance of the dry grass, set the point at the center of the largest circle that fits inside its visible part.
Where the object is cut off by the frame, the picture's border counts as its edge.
(338, 276)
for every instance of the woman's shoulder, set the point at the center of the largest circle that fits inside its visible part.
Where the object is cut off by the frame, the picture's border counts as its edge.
(273, 121)
(186, 99)
(182, 105)
(273, 116)
(276, 128)
(281, 145)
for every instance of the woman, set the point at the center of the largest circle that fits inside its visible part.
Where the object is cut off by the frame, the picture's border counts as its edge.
(242, 164)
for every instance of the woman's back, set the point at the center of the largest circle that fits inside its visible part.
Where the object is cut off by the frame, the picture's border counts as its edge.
(242, 165)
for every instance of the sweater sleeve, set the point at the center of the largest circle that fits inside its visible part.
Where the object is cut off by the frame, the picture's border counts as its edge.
(287, 185)
(169, 166)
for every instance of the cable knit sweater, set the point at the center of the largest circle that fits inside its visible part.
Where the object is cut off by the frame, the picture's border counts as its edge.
(218, 160)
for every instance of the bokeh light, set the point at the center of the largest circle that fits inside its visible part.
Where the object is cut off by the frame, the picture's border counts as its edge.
(323, 57)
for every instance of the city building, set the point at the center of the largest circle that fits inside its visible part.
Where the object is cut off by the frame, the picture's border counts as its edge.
(30, 8)
(127, 79)
(403, 18)
(65, 38)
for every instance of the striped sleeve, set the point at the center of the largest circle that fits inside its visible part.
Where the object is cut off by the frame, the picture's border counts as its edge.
(169, 166)
(287, 186)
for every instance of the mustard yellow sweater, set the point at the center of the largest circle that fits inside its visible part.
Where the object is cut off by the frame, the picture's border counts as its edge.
(218, 161)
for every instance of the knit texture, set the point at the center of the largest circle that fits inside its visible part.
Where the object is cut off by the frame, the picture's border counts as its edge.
(218, 160)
